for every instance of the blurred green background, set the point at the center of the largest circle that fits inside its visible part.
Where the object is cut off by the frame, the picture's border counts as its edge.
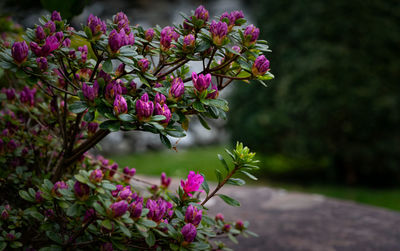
(329, 122)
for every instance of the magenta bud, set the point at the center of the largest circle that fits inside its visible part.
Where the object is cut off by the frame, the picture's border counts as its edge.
(27, 96)
(201, 13)
(107, 247)
(113, 169)
(120, 17)
(55, 16)
(89, 214)
(163, 110)
(160, 98)
(136, 208)
(96, 176)
(39, 33)
(38, 197)
(158, 209)
(143, 64)
(189, 42)
(119, 208)
(177, 88)
(149, 34)
(112, 90)
(215, 93)
(59, 35)
(51, 26)
(90, 92)
(226, 227)
(189, 232)
(92, 127)
(19, 52)
(219, 217)
(167, 35)
(165, 182)
(115, 192)
(193, 215)
(120, 70)
(66, 42)
(115, 41)
(239, 225)
(5, 214)
(201, 82)
(192, 183)
(120, 105)
(42, 63)
(144, 107)
(57, 186)
(260, 66)
(10, 237)
(82, 191)
(96, 26)
(218, 32)
(251, 34)
(10, 93)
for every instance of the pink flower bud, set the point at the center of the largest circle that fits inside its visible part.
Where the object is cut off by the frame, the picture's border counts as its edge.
(218, 32)
(177, 88)
(260, 66)
(143, 64)
(189, 232)
(119, 208)
(82, 191)
(19, 52)
(163, 110)
(149, 34)
(55, 16)
(120, 105)
(165, 181)
(96, 176)
(193, 215)
(251, 34)
(192, 184)
(201, 13)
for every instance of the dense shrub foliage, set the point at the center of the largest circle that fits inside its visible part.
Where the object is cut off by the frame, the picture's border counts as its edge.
(67, 90)
(333, 113)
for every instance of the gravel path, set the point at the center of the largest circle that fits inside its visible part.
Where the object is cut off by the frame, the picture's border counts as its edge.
(296, 222)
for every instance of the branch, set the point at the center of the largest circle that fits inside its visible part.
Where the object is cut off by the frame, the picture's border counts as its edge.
(172, 69)
(220, 185)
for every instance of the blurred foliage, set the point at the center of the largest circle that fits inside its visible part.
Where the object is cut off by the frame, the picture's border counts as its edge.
(332, 113)
(67, 8)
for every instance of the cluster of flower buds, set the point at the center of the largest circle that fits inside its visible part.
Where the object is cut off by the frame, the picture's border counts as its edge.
(112, 90)
(136, 208)
(193, 215)
(251, 34)
(189, 232)
(177, 88)
(231, 18)
(19, 52)
(90, 92)
(96, 176)
(128, 173)
(219, 31)
(159, 209)
(143, 64)
(162, 109)
(120, 105)
(119, 208)
(92, 128)
(122, 35)
(96, 26)
(57, 186)
(149, 34)
(144, 107)
(260, 66)
(192, 183)
(82, 191)
(27, 96)
(189, 42)
(168, 34)
(201, 13)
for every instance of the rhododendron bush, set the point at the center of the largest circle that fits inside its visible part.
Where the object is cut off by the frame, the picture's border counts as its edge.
(65, 90)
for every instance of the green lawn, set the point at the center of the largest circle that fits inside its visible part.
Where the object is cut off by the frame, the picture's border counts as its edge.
(205, 160)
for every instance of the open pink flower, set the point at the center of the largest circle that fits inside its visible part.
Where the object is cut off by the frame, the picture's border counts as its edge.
(192, 184)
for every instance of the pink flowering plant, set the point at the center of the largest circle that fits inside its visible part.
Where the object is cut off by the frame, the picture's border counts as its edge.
(65, 90)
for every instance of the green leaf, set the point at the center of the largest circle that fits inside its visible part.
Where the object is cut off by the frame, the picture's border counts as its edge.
(109, 186)
(24, 195)
(3, 245)
(89, 116)
(112, 125)
(99, 208)
(165, 141)
(54, 236)
(236, 182)
(148, 223)
(228, 200)
(203, 122)
(176, 134)
(219, 175)
(158, 118)
(125, 230)
(107, 66)
(78, 107)
(88, 32)
(126, 117)
(205, 186)
(198, 106)
(223, 162)
(219, 103)
(150, 239)
(107, 224)
(249, 175)
(73, 210)
(233, 239)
